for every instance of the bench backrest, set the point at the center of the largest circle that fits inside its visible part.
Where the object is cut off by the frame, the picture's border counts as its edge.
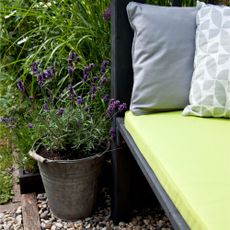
(122, 36)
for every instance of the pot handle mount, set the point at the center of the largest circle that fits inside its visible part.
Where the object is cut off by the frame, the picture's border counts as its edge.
(37, 157)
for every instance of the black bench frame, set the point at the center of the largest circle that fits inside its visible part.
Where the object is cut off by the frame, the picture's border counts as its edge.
(126, 150)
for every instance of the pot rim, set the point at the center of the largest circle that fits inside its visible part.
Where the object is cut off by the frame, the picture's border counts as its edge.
(41, 159)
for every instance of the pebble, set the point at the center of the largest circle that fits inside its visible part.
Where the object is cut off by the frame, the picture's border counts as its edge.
(11, 220)
(44, 214)
(149, 219)
(53, 227)
(19, 210)
(70, 225)
(59, 225)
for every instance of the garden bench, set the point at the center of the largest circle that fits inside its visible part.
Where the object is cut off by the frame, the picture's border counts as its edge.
(184, 159)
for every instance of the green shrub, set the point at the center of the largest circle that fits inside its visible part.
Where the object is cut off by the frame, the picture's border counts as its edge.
(6, 181)
(45, 31)
(6, 185)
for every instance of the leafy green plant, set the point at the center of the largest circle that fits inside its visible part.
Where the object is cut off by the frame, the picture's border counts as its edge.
(75, 119)
(6, 185)
(6, 181)
(46, 31)
(23, 140)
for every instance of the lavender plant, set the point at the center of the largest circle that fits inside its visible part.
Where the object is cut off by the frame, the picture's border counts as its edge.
(75, 122)
(45, 31)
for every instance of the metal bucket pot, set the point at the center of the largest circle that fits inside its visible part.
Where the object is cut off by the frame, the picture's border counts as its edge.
(70, 185)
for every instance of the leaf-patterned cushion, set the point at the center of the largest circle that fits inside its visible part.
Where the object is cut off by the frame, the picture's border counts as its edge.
(210, 86)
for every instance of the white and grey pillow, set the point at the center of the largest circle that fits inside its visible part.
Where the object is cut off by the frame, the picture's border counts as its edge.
(210, 86)
(162, 55)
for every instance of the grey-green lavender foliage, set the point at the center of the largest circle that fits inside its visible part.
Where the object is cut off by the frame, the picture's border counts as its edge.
(78, 118)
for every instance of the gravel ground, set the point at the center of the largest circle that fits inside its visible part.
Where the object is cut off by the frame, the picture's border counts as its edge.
(153, 219)
(11, 219)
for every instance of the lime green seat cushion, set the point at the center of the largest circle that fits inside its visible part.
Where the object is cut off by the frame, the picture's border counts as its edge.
(191, 159)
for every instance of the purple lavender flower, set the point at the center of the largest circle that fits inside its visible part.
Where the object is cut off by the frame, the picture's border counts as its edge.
(95, 78)
(30, 125)
(31, 98)
(80, 100)
(70, 70)
(93, 90)
(113, 105)
(8, 122)
(40, 79)
(72, 55)
(107, 14)
(60, 112)
(20, 86)
(34, 68)
(45, 107)
(104, 64)
(71, 91)
(103, 81)
(4, 119)
(112, 133)
(122, 107)
(117, 103)
(85, 77)
(110, 110)
(112, 100)
(106, 98)
(49, 73)
(89, 68)
(86, 71)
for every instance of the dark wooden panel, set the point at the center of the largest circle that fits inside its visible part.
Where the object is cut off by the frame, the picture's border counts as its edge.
(122, 36)
(121, 206)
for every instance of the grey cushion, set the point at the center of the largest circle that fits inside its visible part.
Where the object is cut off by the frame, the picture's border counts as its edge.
(162, 54)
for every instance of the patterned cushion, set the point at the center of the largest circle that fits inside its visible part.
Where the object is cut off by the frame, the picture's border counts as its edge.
(210, 87)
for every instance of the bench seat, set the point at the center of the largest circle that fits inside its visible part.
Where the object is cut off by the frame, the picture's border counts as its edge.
(191, 158)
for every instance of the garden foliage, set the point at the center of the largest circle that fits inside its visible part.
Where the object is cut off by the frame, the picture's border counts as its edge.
(45, 32)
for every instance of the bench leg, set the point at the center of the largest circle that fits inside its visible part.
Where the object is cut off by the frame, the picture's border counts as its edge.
(130, 188)
(121, 189)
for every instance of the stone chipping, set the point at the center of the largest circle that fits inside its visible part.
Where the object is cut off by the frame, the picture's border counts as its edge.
(145, 219)
(11, 220)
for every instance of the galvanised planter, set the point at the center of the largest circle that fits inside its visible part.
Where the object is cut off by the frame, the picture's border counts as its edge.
(71, 186)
